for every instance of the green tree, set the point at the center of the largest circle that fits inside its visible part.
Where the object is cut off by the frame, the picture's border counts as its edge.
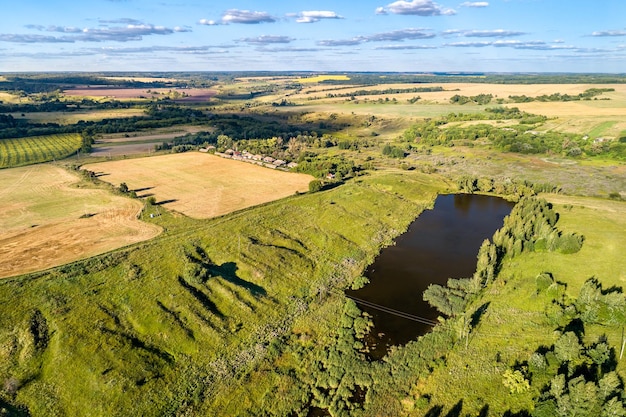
(315, 186)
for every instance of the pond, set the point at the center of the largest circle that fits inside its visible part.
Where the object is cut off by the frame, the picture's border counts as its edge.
(441, 243)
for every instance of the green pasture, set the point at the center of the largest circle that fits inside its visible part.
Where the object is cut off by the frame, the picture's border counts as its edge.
(37, 149)
(600, 129)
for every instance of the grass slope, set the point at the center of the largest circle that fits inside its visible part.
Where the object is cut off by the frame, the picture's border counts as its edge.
(159, 328)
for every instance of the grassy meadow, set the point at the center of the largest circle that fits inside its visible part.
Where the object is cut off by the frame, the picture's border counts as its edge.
(226, 296)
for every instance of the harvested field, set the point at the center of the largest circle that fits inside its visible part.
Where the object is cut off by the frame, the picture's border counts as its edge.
(45, 221)
(191, 94)
(124, 149)
(463, 89)
(201, 185)
(66, 118)
(136, 143)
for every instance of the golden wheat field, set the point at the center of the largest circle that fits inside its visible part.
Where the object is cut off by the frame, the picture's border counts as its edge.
(46, 220)
(200, 185)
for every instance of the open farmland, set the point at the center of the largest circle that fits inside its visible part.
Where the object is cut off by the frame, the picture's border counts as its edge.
(36, 149)
(46, 221)
(200, 185)
(137, 143)
(67, 118)
(187, 94)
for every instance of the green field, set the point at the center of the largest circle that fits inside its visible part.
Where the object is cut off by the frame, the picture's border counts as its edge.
(169, 313)
(37, 149)
(601, 128)
(244, 314)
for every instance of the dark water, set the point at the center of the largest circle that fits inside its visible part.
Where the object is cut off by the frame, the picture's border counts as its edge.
(441, 243)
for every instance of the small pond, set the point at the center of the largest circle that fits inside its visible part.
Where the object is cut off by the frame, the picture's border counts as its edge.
(441, 243)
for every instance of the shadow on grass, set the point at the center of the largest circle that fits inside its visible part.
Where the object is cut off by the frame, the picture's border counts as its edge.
(228, 271)
(201, 297)
(478, 314)
(9, 410)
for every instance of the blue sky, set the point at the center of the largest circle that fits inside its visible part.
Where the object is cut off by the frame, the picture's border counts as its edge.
(338, 35)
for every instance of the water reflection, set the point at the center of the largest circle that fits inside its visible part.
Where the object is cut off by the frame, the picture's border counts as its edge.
(441, 243)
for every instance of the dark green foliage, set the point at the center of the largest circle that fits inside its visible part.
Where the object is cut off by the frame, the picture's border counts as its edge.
(374, 92)
(531, 227)
(39, 330)
(595, 305)
(544, 281)
(315, 186)
(587, 95)
(577, 379)
(321, 166)
(449, 300)
(478, 99)
(393, 151)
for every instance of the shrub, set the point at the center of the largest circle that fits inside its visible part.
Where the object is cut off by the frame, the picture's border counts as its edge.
(315, 186)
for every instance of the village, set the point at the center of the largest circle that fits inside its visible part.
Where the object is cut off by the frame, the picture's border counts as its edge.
(258, 159)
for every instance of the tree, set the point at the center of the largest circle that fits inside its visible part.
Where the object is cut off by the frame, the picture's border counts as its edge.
(315, 186)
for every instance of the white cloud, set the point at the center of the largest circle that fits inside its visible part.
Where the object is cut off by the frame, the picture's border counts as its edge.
(498, 33)
(312, 16)
(209, 22)
(404, 47)
(18, 38)
(393, 36)
(131, 32)
(246, 17)
(475, 4)
(609, 33)
(268, 39)
(415, 7)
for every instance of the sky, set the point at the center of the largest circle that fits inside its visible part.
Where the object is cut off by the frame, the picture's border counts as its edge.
(325, 35)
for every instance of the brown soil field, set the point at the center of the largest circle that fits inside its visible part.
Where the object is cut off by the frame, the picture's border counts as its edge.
(41, 224)
(200, 185)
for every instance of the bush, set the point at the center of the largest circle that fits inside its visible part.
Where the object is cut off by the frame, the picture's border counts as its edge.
(315, 186)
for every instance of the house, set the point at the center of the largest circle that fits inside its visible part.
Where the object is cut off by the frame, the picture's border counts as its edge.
(279, 162)
(268, 159)
(292, 164)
